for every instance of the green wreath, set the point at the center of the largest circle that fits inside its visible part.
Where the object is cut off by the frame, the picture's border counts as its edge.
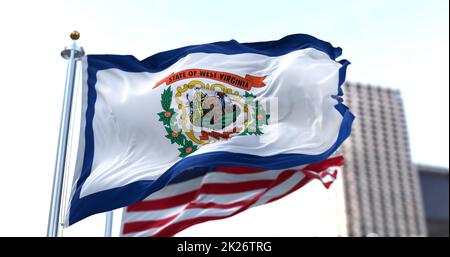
(187, 146)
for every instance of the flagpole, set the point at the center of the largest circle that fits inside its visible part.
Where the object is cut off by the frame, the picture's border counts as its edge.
(72, 54)
(109, 223)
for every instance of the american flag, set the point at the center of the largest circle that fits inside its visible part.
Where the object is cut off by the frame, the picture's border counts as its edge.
(202, 195)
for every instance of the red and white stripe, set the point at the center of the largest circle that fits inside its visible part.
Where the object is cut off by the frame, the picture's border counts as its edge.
(222, 193)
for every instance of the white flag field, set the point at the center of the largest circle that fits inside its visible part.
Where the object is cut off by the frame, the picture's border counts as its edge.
(205, 132)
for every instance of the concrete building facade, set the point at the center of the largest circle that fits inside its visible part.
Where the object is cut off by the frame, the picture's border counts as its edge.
(382, 192)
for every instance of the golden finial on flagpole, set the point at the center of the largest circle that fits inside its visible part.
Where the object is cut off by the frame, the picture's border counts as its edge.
(75, 35)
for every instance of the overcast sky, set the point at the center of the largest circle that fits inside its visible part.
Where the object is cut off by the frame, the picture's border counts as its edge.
(397, 44)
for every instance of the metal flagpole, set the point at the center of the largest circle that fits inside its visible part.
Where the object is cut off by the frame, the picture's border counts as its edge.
(109, 223)
(72, 54)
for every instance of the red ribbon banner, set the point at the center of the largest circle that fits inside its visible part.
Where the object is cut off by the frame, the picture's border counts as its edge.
(245, 83)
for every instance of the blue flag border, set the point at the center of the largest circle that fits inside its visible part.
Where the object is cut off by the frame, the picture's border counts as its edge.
(193, 166)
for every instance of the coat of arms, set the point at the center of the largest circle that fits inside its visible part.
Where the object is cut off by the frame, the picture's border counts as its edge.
(198, 113)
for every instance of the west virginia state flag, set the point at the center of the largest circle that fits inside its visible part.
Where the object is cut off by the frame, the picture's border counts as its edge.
(206, 131)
